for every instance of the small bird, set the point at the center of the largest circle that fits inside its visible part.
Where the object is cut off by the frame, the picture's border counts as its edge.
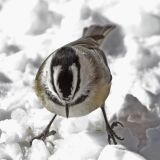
(75, 80)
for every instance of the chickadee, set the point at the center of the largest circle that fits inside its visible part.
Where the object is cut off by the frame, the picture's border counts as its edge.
(75, 79)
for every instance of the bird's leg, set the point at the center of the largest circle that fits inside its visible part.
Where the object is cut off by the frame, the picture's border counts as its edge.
(111, 133)
(46, 131)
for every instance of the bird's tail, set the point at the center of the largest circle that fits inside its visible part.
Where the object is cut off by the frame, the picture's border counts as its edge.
(98, 33)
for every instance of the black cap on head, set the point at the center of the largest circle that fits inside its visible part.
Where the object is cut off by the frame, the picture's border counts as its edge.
(65, 57)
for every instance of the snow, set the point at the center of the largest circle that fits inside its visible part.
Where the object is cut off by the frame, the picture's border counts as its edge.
(83, 145)
(31, 30)
(38, 151)
(118, 152)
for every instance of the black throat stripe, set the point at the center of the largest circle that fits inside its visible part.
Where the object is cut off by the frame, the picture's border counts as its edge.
(65, 57)
(65, 80)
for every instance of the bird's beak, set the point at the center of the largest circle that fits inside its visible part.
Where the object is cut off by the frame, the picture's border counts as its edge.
(67, 110)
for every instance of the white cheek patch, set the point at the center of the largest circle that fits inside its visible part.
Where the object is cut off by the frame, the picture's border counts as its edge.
(56, 71)
(46, 76)
(74, 71)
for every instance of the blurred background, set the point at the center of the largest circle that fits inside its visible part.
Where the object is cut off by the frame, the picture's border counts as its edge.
(31, 30)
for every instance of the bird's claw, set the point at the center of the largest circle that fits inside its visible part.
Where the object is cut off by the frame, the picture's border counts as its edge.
(111, 133)
(43, 135)
(115, 124)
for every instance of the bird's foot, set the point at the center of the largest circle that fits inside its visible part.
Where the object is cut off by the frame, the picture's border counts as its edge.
(46, 133)
(111, 133)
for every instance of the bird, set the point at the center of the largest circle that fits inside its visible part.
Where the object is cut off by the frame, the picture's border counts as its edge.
(75, 80)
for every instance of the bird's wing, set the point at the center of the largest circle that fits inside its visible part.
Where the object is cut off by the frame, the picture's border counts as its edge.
(93, 36)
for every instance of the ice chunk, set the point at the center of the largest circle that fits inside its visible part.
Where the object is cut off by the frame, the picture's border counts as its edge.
(134, 111)
(38, 151)
(151, 149)
(12, 131)
(84, 145)
(4, 78)
(19, 115)
(118, 152)
(85, 12)
(72, 125)
(10, 151)
(42, 18)
(4, 114)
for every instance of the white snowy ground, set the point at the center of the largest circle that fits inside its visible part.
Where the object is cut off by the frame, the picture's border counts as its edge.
(31, 30)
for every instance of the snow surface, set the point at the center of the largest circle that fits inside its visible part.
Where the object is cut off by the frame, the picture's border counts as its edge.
(31, 30)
